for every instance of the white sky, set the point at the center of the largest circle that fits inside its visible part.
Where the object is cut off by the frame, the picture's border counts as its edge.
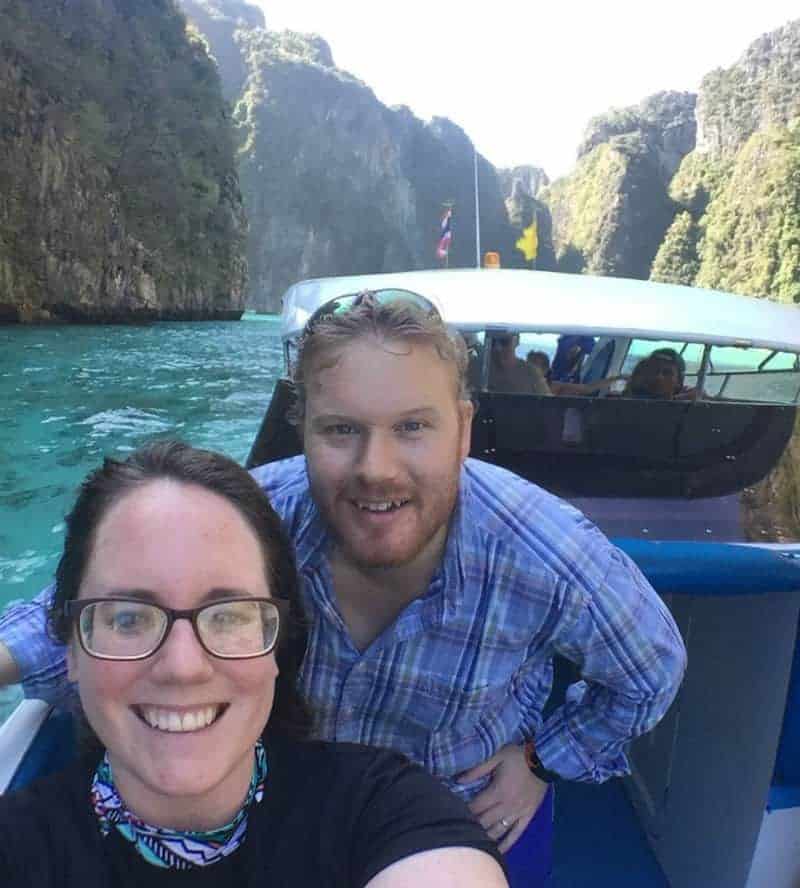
(523, 78)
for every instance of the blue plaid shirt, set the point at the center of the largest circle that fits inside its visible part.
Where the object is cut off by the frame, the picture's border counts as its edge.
(467, 668)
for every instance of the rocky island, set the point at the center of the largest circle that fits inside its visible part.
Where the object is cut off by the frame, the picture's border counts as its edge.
(127, 130)
(119, 194)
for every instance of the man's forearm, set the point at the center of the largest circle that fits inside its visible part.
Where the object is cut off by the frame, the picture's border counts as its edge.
(36, 659)
(632, 660)
(9, 672)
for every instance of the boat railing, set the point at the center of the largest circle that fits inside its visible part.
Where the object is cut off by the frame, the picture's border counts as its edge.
(17, 735)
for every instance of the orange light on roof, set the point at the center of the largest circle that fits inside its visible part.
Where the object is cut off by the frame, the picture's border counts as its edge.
(491, 260)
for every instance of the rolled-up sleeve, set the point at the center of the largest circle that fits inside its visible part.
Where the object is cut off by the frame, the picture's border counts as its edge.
(632, 660)
(40, 658)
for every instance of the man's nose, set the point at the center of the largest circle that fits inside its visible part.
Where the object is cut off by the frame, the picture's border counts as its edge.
(377, 457)
(181, 657)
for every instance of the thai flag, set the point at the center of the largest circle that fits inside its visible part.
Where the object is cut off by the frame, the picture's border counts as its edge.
(445, 236)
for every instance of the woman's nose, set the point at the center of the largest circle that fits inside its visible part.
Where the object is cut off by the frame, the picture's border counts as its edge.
(181, 657)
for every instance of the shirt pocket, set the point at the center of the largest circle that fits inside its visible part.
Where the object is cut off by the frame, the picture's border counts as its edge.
(437, 706)
(455, 739)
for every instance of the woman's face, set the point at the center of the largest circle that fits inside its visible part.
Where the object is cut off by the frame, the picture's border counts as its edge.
(181, 546)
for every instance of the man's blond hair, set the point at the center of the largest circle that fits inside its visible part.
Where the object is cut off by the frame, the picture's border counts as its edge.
(402, 320)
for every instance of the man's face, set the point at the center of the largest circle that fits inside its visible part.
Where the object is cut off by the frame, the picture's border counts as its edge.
(384, 437)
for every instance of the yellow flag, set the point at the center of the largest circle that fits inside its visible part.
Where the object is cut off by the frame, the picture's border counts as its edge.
(529, 242)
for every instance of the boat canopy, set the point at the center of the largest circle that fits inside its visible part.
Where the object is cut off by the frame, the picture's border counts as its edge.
(544, 302)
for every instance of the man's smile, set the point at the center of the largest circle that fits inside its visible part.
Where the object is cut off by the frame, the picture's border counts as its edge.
(378, 506)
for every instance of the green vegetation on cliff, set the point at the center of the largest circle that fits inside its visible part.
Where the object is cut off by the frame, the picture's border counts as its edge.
(758, 92)
(739, 228)
(118, 168)
(751, 231)
(334, 181)
(676, 261)
(583, 206)
(739, 192)
(611, 213)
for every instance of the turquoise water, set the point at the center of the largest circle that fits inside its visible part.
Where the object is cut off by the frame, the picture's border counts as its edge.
(70, 395)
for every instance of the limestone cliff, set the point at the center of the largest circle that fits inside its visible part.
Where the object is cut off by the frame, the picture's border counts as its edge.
(757, 93)
(610, 214)
(738, 193)
(738, 225)
(334, 181)
(530, 179)
(119, 198)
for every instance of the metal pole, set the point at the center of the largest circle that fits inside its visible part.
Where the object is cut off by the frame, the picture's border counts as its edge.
(477, 210)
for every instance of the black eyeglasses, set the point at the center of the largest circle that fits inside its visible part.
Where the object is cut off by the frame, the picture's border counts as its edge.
(342, 304)
(132, 629)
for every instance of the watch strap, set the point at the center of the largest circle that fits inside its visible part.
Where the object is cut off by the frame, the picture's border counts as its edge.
(535, 764)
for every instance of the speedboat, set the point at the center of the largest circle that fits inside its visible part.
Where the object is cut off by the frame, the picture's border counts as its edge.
(696, 485)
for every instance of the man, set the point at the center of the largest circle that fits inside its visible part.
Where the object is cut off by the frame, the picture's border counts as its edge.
(568, 359)
(439, 588)
(540, 360)
(508, 373)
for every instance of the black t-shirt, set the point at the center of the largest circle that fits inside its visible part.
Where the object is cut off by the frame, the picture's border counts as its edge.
(332, 816)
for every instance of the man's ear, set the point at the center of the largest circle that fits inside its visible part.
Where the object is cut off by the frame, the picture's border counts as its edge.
(466, 411)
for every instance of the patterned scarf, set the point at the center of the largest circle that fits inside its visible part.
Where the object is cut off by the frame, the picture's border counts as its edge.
(171, 848)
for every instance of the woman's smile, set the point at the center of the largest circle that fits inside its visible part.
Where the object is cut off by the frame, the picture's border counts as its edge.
(180, 719)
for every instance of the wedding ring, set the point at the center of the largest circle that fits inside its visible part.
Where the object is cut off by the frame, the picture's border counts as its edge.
(505, 823)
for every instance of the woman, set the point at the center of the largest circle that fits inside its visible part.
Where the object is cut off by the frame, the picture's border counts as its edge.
(176, 594)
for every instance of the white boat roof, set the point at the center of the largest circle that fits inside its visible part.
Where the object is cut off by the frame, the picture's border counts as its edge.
(544, 302)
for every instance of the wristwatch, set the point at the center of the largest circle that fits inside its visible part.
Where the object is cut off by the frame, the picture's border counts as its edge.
(535, 764)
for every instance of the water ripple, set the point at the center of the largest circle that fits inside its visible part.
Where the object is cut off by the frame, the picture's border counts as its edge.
(71, 395)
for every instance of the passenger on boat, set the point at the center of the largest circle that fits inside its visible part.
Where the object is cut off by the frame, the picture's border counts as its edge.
(438, 588)
(658, 376)
(508, 373)
(177, 598)
(568, 359)
(540, 360)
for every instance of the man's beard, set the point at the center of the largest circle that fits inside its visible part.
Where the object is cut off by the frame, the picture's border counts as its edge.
(426, 528)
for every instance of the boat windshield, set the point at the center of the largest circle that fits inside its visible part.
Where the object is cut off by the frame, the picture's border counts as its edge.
(600, 366)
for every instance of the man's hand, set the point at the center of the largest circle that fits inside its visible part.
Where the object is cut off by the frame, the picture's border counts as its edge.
(9, 673)
(508, 803)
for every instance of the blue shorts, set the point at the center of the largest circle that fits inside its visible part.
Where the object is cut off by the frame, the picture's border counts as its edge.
(530, 860)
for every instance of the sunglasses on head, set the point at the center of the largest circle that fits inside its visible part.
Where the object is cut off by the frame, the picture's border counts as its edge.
(343, 304)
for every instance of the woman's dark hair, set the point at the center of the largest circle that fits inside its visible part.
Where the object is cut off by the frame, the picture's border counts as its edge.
(669, 354)
(175, 461)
